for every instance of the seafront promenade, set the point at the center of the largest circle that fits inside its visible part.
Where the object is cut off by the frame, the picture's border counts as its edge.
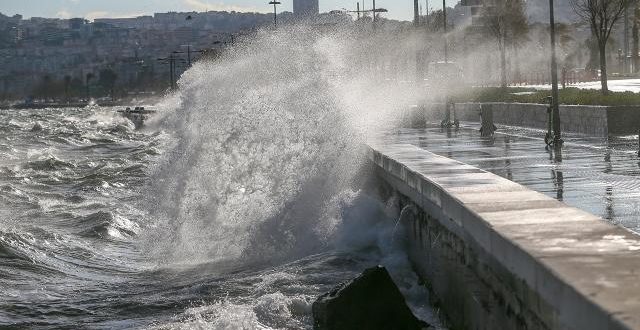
(599, 175)
(512, 236)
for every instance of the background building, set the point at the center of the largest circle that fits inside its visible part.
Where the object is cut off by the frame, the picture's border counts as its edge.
(306, 8)
(46, 58)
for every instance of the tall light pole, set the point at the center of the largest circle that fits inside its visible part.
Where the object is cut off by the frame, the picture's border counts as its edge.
(364, 12)
(555, 109)
(444, 19)
(189, 52)
(89, 77)
(171, 60)
(626, 40)
(426, 14)
(275, 12)
(374, 13)
(5, 87)
(416, 25)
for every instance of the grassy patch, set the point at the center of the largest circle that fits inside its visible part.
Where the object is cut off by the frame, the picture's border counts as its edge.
(567, 96)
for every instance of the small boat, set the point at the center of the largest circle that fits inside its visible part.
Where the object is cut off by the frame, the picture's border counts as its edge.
(137, 115)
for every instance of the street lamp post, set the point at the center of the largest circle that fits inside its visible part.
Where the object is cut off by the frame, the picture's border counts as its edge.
(557, 134)
(621, 61)
(626, 40)
(363, 12)
(444, 19)
(189, 55)
(426, 13)
(447, 123)
(172, 70)
(89, 77)
(171, 60)
(374, 13)
(5, 87)
(275, 12)
(189, 52)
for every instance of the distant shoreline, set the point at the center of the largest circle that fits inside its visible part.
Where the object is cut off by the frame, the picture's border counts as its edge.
(56, 105)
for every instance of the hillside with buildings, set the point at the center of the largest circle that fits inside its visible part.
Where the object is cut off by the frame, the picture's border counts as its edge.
(41, 56)
(47, 57)
(538, 11)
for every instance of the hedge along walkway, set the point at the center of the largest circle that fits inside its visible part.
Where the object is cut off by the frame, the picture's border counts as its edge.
(568, 96)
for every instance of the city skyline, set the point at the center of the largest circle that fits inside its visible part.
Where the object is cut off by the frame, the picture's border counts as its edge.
(92, 9)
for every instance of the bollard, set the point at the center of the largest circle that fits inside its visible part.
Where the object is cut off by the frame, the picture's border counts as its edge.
(486, 120)
(548, 138)
(449, 107)
(446, 122)
(456, 122)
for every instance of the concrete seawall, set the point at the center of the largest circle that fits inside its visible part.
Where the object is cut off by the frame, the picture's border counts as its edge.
(499, 256)
(593, 120)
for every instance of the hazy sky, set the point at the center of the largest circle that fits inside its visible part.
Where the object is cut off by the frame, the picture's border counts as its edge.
(398, 9)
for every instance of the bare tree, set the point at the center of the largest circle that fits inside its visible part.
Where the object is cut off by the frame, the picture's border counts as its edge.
(602, 16)
(505, 20)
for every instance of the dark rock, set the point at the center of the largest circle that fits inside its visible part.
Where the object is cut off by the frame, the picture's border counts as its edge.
(370, 301)
(36, 128)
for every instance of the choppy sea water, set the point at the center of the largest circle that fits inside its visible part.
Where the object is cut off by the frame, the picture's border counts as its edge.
(75, 247)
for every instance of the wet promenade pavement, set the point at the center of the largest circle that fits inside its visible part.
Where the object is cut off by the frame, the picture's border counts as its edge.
(598, 175)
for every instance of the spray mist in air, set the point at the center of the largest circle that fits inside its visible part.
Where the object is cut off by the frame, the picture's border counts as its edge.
(264, 137)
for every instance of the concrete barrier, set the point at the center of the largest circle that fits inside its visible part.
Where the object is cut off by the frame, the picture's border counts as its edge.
(592, 120)
(497, 255)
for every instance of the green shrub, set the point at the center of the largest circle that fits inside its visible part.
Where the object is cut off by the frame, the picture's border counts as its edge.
(526, 95)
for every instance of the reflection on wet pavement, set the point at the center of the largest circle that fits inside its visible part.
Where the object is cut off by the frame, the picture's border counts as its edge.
(595, 174)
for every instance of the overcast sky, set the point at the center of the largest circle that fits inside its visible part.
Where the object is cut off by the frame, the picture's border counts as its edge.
(398, 9)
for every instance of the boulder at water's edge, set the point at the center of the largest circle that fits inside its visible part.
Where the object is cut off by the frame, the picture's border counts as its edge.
(370, 301)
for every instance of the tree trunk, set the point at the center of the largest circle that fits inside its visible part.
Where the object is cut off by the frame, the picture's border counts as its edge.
(503, 64)
(516, 65)
(603, 67)
(594, 55)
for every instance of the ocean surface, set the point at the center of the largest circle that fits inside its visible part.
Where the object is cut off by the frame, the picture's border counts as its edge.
(82, 243)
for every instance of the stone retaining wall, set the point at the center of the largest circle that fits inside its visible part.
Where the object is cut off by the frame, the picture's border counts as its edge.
(497, 255)
(591, 120)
